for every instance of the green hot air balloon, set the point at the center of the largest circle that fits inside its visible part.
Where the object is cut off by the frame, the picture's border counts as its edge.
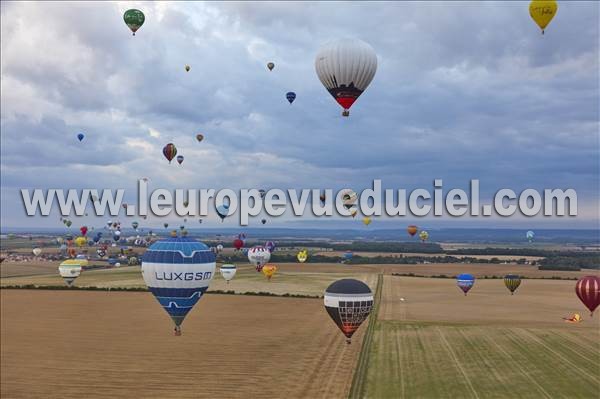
(134, 19)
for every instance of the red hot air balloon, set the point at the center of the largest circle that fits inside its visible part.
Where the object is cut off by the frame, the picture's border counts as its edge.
(83, 230)
(169, 151)
(238, 244)
(588, 291)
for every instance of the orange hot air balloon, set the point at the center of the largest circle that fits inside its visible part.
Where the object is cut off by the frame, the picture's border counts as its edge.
(412, 230)
(269, 270)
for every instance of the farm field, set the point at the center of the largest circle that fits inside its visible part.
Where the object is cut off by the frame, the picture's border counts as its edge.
(439, 343)
(58, 344)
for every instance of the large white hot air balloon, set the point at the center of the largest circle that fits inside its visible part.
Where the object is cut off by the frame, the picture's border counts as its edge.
(346, 67)
(228, 272)
(259, 256)
(70, 269)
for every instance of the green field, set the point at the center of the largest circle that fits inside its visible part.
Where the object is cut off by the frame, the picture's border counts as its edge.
(448, 361)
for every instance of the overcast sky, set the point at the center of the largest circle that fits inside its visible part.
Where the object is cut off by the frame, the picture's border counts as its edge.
(463, 90)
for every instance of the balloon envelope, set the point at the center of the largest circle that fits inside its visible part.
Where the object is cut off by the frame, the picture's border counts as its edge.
(542, 12)
(70, 269)
(169, 151)
(346, 67)
(269, 270)
(259, 256)
(228, 271)
(178, 271)
(588, 292)
(270, 65)
(465, 281)
(134, 19)
(291, 96)
(348, 302)
(80, 136)
(512, 282)
(412, 230)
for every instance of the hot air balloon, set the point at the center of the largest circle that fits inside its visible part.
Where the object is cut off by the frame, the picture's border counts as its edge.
(302, 256)
(263, 221)
(70, 269)
(346, 67)
(166, 225)
(348, 302)
(178, 271)
(542, 12)
(238, 244)
(366, 220)
(465, 282)
(270, 65)
(228, 271)
(169, 151)
(219, 248)
(68, 223)
(588, 291)
(59, 240)
(83, 230)
(80, 136)
(322, 197)
(223, 211)
(37, 251)
(270, 245)
(262, 192)
(101, 253)
(349, 198)
(529, 235)
(291, 96)
(116, 235)
(269, 270)
(199, 137)
(348, 255)
(424, 236)
(259, 256)
(512, 282)
(134, 19)
(135, 225)
(187, 68)
(412, 230)
(80, 241)
(179, 159)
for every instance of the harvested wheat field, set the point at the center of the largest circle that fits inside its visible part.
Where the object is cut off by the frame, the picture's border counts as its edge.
(437, 343)
(107, 344)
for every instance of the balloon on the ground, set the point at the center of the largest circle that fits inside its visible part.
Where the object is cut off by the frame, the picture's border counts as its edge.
(80, 241)
(465, 282)
(70, 269)
(134, 19)
(346, 67)
(348, 302)
(169, 151)
(512, 282)
(37, 251)
(228, 272)
(412, 230)
(542, 12)
(588, 292)
(291, 96)
(348, 255)
(269, 270)
(259, 256)
(574, 318)
(178, 271)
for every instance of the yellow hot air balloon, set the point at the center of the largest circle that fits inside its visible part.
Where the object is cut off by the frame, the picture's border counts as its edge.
(80, 241)
(353, 212)
(423, 235)
(367, 220)
(302, 256)
(269, 270)
(542, 12)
